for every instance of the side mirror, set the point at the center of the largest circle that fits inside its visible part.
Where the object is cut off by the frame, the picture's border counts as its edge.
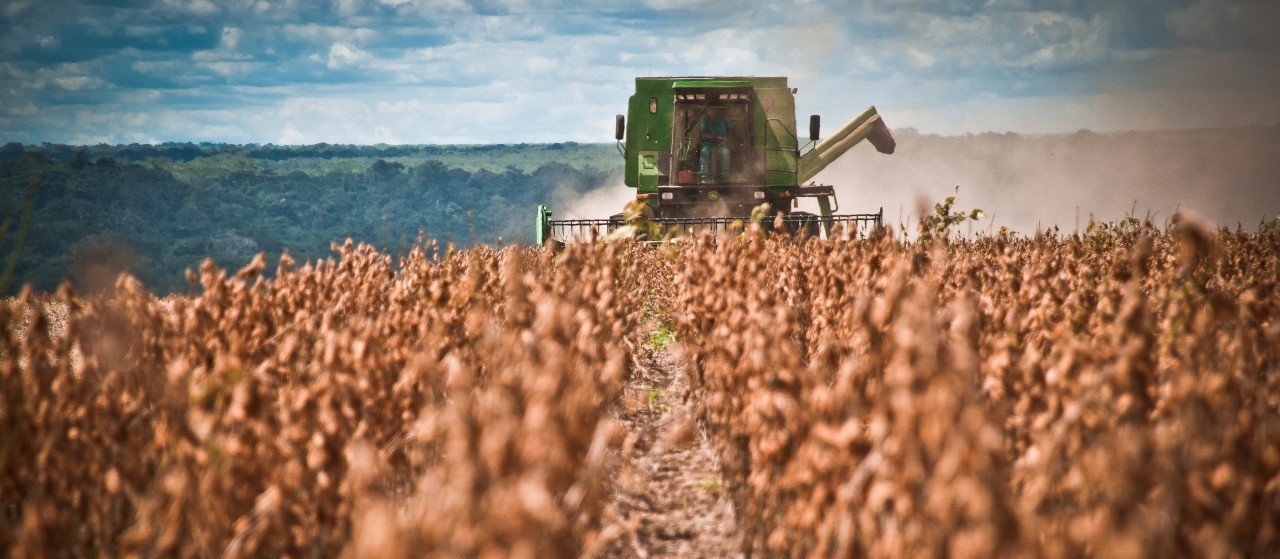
(815, 122)
(619, 126)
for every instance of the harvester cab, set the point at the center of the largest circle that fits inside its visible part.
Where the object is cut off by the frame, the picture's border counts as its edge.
(708, 153)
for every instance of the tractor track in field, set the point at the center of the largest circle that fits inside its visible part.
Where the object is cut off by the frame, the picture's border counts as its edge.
(668, 499)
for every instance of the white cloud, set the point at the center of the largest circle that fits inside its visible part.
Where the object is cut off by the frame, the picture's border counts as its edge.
(226, 51)
(141, 97)
(314, 32)
(142, 31)
(76, 83)
(23, 78)
(1139, 110)
(157, 67)
(346, 8)
(229, 68)
(193, 7)
(28, 109)
(91, 117)
(342, 55)
(921, 58)
(339, 119)
(17, 8)
(723, 51)
(540, 64)
(290, 135)
(433, 70)
(1236, 23)
(680, 4)
(1069, 41)
(230, 38)
(431, 8)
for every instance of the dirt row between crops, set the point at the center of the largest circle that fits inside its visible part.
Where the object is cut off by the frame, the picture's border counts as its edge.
(668, 498)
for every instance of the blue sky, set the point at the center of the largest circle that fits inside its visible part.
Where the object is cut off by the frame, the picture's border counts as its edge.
(507, 71)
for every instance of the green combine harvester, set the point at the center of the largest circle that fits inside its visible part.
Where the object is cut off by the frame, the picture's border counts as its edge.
(707, 154)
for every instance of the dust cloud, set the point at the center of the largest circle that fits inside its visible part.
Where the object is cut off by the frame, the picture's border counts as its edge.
(1228, 176)
(596, 204)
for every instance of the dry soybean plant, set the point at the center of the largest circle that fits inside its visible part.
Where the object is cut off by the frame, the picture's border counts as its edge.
(1111, 395)
(1115, 394)
(447, 405)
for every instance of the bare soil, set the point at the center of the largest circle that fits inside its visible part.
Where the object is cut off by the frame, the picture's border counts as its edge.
(668, 499)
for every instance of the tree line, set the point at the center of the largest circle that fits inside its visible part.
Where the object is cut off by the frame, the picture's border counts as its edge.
(95, 212)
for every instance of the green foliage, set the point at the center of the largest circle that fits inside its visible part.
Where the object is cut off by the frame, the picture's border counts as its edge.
(710, 485)
(1270, 226)
(1006, 234)
(1128, 226)
(653, 397)
(1105, 236)
(939, 224)
(24, 225)
(156, 211)
(662, 337)
(188, 160)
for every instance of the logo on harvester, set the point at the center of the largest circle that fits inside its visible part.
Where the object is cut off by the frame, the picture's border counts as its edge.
(713, 196)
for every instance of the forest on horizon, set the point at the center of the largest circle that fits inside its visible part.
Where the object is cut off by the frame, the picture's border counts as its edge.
(157, 210)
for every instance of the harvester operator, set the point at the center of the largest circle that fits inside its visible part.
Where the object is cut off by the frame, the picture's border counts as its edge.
(714, 159)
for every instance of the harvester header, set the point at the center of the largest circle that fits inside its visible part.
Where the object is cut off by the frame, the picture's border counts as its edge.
(711, 152)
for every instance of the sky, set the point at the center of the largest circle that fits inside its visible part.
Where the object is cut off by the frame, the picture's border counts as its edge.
(511, 71)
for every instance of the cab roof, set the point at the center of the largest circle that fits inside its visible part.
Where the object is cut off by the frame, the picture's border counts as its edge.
(666, 84)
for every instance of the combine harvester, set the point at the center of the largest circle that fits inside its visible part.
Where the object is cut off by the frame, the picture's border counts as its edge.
(708, 154)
